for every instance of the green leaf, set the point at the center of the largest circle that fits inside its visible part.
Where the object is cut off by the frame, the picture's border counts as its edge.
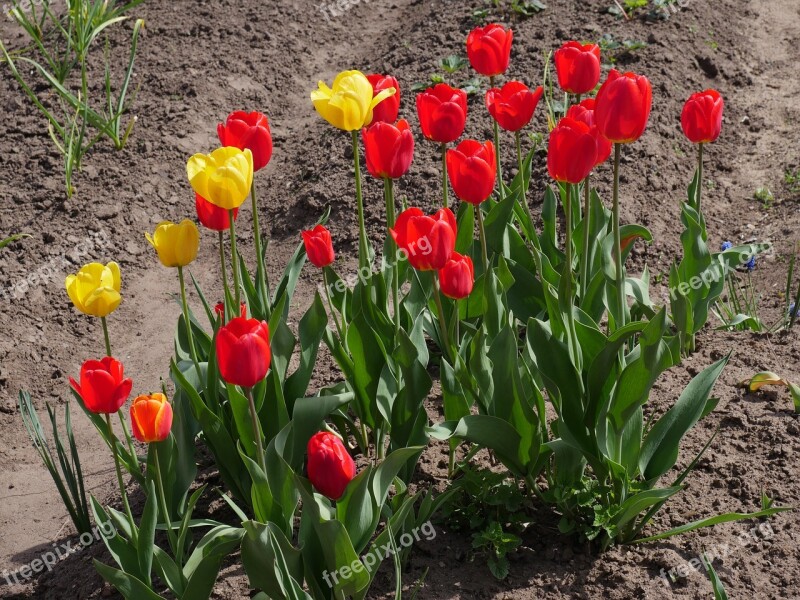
(271, 562)
(127, 585)
(147, 533)
(661, 445)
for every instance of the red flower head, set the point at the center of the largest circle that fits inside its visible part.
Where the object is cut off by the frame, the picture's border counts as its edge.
(623, 107)
(330, 466)
(103, 387)
(489, 49)
(389, 148)
(219, 308)
(442, 112)
(245, 130)
(512, 105)
(578, 67)
(457, 277)
(388, 109)
(701, 118)
(212, 216)
(584, 113)
(319, 246)
(571, 151)
(151, 418)
(471, 169)
(429, 242)
(243, 353)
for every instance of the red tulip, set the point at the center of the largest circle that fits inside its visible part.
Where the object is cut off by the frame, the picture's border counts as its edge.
(489, 49)
(330, 467)
(701, 117)
(103, 387)
(471, 169)
(386, 110)
(571, 151)
(442, 112)
(584, 112)
(319, 246)
(389, 148)
(623, 106)
(212, 216)
(457, 277)
(512, 105)
(151, 418)
(219, 308)
(429, 242)
(578, 67)
(243, 353)
(245, 130)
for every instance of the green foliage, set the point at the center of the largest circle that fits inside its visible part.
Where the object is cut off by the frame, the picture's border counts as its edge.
(765, 196)
(60, 43)
(13, 238)
(792, 180)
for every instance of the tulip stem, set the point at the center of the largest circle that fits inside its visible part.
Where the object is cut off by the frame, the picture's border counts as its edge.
(571, 332)
(339, 329)
(482, 234)
(224, 271)
(500, 190)
(129, 439)
(444, 333)
(262, 461)
(173, 542)
(261, 271)
(522, 178)
(125, 503)
(444, 176)
(621, 303)
(390, 220)
(587, 225)
(106, 336)
(234, 263)
(188, 322)
(699, 190)
(362, 230)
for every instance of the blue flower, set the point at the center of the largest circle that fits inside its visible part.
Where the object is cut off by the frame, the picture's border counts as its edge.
(751, 264)
(725, 246)
(792, 310)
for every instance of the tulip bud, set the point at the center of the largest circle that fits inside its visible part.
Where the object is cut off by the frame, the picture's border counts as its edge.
(243, 352)
(389, 149)
(584, 113)
(219, 308)
(457, 277)
(319, 246)
(212, 216)
(622, 107)
(330, 466)
(223, 177)
(94, 290)
(489, 49)
(701, 118)
(442, 112)
(151, 418)
(571, 151)
(386, 110)
(471, 169)
(176, 245)
(577, 67)
(103, 386)
(512, 106)
(429, 242)
(249, 131)
(348, 105)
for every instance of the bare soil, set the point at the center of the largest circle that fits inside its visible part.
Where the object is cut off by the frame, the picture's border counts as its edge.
(200, 59)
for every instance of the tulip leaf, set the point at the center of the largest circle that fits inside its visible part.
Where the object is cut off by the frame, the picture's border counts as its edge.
(312, 327)
(126, 584)
(147, 533)
(272, 564)
(358, 511)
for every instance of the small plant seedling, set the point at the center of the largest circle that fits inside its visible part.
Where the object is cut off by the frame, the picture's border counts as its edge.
(12, 238)
(453, 63)
(611, 48)
(765, 196)
(792, 179)
(527, 8)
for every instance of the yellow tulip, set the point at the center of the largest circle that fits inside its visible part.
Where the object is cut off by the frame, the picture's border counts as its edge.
(94, 290)
(223, 177)
(349, 104)
(176, 244)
